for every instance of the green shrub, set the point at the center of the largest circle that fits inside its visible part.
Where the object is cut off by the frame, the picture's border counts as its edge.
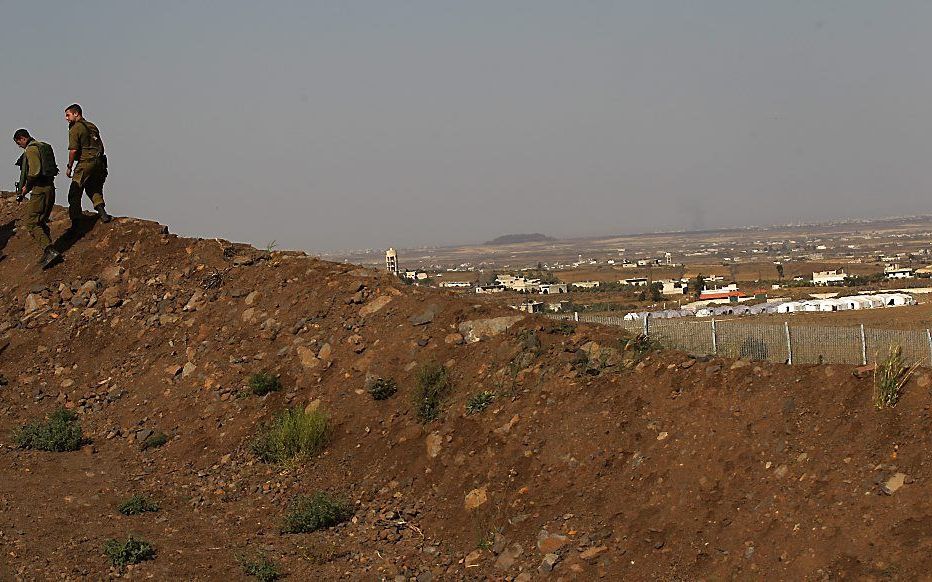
(383, 389)
(479, 401)
(60, 432)
(131, 551)
(137, 504)
(319, 511)
(890, 376)
(292, 434)
(261, 568)
(154, 441)
(262, 383)
(433, 385)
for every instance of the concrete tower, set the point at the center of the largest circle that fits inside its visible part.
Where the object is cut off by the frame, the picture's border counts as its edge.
(391, 261)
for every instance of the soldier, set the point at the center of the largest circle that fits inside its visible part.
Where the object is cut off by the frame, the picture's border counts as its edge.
(37, 178)
(87, 150)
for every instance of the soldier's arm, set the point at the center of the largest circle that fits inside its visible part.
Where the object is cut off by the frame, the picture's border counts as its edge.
(74, 146)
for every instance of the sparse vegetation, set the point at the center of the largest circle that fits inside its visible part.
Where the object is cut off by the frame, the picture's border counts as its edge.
(562, 328)
(59, 432)
(261, 383)
(260, 567)
(154, 441)
(137, 504)
(433, 385)
(130, 551)
(890, 377)
(318, 511)
(479, 401)
(383, 388)
(294, 433)
(640, 345)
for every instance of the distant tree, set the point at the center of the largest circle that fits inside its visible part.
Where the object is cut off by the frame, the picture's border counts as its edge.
(679, 271)
(698, 285)
(656, 291)
(780, 270)
(733, 271)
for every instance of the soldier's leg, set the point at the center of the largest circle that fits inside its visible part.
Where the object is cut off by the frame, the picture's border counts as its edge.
(47, 213)
(75, 192)
(35, 215)
(95, 191)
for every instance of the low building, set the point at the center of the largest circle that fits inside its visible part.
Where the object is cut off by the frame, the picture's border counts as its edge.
(552, 288)
(729, 292)
(586, 284)
(896, 272)
(490, 289)
(833, 277)
(519, 284)
(530, 307)
(674, 287)
(635, 281)
(456, 284)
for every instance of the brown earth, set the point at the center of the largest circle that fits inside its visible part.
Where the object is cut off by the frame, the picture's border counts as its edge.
(663, 467)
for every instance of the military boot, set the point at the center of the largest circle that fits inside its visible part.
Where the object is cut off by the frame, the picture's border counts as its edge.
(102, 213)
(49, 258)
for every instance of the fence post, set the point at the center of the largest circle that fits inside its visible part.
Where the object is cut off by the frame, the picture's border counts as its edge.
(863, 347)
(929, 335)
(789, 343)
(647, 325)
(575, 316)
(714, 339)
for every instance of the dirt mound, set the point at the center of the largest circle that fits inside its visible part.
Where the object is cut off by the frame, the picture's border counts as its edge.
(556, 453)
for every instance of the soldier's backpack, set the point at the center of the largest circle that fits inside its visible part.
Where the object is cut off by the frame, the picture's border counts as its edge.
(48, 167)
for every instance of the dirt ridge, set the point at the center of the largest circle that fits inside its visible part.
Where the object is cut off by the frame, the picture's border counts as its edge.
(591, 462)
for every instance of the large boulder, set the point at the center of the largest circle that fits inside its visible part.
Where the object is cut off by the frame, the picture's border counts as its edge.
(477, 329)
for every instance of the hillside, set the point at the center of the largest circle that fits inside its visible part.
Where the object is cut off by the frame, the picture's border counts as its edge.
(591, 462)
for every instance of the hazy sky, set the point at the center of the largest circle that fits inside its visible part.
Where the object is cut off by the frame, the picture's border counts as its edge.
(350, 124)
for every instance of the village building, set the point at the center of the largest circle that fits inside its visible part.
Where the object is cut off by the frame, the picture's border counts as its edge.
(833, 277)
(894, 271)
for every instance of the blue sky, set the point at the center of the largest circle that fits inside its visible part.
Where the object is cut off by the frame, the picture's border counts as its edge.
(328, 125)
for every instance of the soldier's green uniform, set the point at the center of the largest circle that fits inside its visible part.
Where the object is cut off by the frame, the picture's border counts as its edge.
(90, 171)
(37, 173)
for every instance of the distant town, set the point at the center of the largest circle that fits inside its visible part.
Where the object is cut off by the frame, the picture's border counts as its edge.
(779, 269)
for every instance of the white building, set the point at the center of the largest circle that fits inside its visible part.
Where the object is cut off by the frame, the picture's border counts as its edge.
(674, 287)
(635, 281)
(833, 277)
(586, 284)
(552, 288)
(519, 284)
(896, 272)
(456, 284)
(481, 289)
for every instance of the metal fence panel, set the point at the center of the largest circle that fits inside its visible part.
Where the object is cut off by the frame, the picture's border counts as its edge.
(755, 342)
(818, 344)
(808, 344)
(915, 344)
(694, 337)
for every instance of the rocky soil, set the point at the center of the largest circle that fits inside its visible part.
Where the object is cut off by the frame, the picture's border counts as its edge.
(592, 461)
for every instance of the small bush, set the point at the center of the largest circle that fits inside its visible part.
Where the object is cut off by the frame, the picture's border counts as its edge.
(319, 511)
(479, 401)
(562, 328)
(131, 551)
(60, 432)
(154, 441)
(261, 568)
(262, 383)
(137, 504)
(890, 376)
(640, 345)
(292, 434)
(433, 384)
(383, 389)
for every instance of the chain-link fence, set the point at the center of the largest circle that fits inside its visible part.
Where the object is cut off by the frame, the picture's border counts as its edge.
(794, 344)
